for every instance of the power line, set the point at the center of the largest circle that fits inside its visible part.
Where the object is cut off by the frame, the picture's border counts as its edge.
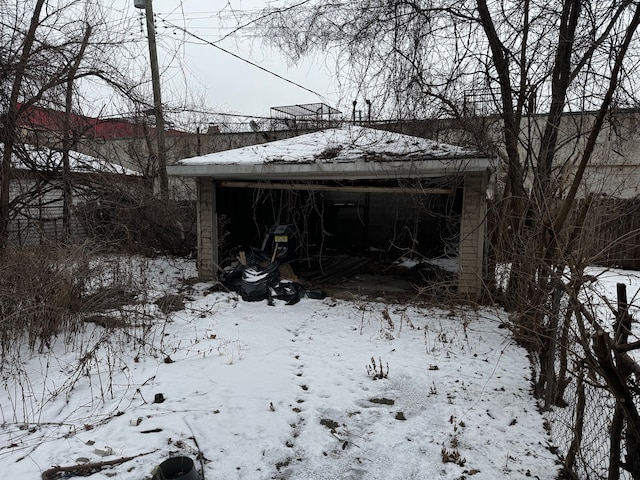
(173, 25)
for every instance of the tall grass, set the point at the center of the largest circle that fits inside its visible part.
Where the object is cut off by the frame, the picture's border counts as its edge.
(74, 307)
(41, 293)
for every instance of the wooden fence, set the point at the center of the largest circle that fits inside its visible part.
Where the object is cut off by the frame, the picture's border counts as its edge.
(612, 232)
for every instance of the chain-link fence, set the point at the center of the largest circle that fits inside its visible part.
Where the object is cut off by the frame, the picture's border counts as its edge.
(582, 430)
(587, 422)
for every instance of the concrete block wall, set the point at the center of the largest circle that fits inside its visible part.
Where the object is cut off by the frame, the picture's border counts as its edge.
(207, 229)
(472, 236)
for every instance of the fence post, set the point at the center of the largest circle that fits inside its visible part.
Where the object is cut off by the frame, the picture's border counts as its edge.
(577, 428)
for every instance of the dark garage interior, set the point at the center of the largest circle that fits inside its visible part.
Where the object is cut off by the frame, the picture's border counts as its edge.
(365, 226)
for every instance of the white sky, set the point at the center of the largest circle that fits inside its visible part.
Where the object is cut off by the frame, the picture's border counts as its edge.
(214, 80)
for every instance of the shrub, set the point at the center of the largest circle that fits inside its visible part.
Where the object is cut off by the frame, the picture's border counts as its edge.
(40, 292)
(135, 221)
(51, 290)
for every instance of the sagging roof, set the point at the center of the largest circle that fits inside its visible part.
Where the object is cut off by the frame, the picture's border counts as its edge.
(345, 152)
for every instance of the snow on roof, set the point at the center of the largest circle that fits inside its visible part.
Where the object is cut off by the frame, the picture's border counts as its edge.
(338, 145)
(45, 159)
(84, 163)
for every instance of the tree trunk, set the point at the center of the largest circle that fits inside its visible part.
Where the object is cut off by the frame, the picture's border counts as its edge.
(577, 429)
(69, 138)
(615, 437)
(10, 132)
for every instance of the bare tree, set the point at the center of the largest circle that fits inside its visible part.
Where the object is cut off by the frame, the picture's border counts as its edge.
(68, 139)
(508, 73)
(9, 131)
(51, 50)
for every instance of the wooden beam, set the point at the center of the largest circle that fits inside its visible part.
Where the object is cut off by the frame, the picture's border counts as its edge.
(337, 188)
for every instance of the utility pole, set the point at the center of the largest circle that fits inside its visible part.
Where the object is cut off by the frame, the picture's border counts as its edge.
(157, 98)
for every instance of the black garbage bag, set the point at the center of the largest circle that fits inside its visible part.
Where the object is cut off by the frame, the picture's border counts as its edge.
(293, 292)
(232, 278)
(315, 293)
(257, 281)
(255, 256)
(290, 292)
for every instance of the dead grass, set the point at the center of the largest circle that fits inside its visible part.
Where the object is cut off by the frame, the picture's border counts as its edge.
(47, 292)
(59, 300)
(40, 295)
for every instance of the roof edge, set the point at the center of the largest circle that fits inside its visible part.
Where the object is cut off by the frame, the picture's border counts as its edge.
(361, 170)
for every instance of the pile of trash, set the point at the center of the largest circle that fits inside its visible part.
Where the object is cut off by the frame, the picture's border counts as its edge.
(256, 277)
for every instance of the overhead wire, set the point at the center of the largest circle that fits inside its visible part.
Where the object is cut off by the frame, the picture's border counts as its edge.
(234, 31)
(187, 17)
(278, 11)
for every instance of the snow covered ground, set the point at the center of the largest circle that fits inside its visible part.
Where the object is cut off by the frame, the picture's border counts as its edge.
(250, 391)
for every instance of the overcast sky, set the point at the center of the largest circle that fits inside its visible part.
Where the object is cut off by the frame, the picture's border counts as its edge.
(217, 81)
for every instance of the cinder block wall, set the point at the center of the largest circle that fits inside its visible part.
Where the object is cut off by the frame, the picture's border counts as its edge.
(472, 236)
(207, 229)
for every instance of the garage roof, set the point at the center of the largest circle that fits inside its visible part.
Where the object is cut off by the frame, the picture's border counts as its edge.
(351, 152)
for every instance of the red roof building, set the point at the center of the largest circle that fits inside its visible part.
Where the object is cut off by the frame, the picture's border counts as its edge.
(50, 120)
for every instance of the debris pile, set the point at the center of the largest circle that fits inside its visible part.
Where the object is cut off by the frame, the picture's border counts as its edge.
(256, 277)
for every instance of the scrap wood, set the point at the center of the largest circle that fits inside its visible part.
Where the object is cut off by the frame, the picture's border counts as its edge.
(85, 469)
(287, 273)
(327, 267)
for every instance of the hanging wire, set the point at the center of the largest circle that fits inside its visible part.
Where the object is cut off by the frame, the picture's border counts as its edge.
(203, 40)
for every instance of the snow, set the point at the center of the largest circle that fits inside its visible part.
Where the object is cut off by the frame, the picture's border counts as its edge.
(279, 392)
(48, 159)
(448, 264)
(606, 280)
(337, 145)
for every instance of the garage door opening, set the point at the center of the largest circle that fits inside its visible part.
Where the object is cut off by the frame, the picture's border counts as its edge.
(408, 231)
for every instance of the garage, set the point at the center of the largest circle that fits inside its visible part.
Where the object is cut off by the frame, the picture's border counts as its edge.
(350, 190)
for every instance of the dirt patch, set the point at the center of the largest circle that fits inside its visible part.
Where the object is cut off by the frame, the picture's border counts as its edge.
(383, 401)
(330, 424)
(170, 303)
(107, 321)
(110, 298)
